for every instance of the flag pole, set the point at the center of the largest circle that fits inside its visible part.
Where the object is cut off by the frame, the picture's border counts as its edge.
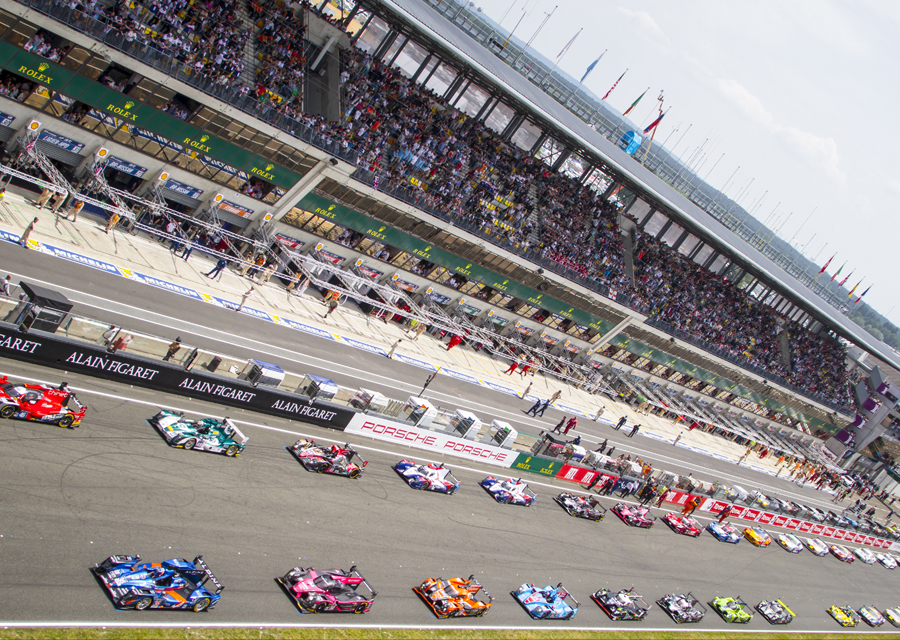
(562, 54)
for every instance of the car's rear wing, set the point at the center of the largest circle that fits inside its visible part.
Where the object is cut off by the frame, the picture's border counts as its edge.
(354, 452)
(695, 603)
(565, 595)
(450, 477)
(786, 608)
(236, 433)
(638, 600)
(527, 490)
(596, 505)
(198, 562)
(473, 581)
(354, 572)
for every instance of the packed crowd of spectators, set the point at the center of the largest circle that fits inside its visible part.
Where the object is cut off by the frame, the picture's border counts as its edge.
(405, 135)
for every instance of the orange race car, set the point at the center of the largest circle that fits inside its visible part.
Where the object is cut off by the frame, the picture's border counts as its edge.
(454, 598)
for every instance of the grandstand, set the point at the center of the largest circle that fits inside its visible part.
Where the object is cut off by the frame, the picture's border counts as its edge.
(382, 132)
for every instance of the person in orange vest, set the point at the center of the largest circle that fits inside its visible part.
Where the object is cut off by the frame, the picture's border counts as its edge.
(332, 303)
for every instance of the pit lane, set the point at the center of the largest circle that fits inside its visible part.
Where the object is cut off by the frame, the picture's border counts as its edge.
(73, 497)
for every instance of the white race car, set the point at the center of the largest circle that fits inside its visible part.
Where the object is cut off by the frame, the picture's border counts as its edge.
(816, 546)
(865, 555)
(887, 561)
(427, 477)
(789, 542)
(509, 491)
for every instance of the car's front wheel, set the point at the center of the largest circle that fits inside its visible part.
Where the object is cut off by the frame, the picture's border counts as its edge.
(190, 443)
(201, 605)
(66, 421)
(143, 603)
(7, 411)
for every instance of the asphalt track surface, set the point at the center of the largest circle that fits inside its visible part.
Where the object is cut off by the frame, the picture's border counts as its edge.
(70, 498)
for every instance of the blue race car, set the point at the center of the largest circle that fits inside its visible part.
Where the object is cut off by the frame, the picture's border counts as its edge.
(548, 603)
(724, 532)
(171, 584)
(427, 477)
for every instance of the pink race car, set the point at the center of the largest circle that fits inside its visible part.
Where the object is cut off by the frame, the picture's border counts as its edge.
(684, 525)
(334, 590)
(634, 516)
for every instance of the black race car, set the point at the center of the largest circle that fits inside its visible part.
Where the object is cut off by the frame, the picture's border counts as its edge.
(775, 611)
(622, 605)
(581, 507)
(682, 608)
(334, 459)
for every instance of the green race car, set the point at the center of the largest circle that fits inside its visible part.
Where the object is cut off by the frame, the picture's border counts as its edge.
(207, 434)
(732, 610)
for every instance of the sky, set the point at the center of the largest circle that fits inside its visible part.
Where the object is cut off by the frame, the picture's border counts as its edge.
(797, 95)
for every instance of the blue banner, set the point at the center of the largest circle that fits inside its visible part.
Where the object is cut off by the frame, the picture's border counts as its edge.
(126, 167)
(184, 189)
(60, 141)
(6, 119)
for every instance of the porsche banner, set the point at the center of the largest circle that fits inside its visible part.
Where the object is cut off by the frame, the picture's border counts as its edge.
(434, 441)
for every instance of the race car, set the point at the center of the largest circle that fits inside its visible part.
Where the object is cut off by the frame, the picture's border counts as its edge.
(815, 546)
(684, 525)
(549, 603)
(171, 584)
(775, 611)
(893, 616)
(786, 506)
(509, 491)
(758, 536)
(847, 521)
(887, 561)
(623, 605)
(761, 499)
(845, 616)
(454, 598)
(789, 542)
(724, 532)
(329, 591)
(206, 434)
(732, 610)
(40, 404)
(865, 555)
(581, 507)
(634, 516)
(841, 552)
(682, 608)
(427, 477)
(334, 459)
(832, 518)
(814, 514)
(871, 616)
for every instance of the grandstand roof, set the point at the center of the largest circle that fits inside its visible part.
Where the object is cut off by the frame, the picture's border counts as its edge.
(454, 42)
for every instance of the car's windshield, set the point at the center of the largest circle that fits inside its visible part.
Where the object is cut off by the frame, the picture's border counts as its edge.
(13, 390)
(325, 582)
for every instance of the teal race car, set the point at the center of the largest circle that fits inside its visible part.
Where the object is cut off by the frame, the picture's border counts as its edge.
(732, 610)
(206, 434)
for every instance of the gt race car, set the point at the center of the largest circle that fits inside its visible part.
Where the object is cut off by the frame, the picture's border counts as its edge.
(724, 532)
(789, 542)
(893, 616)
(815, 546)
(334, 459)
(622, 605)
(40, 404)
(206, 434)
(454, 598)
(581, 507)
(732, 610)
(887, 561)
(684, 525)
(548, 603)
(682, 608)
(815, 514)
(865, 555)
(427, 477)
(329, 591)
(633, 515)
(841, 552)
(845, 616)
(509, 491)
(171, 584)
(758, 536)
(775, 611)
(871, 616)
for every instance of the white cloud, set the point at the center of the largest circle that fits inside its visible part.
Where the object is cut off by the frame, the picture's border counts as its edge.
(646, 22)
(817, 149)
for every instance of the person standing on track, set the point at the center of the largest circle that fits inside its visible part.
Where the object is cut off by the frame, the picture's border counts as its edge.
(23, 239)
(216, 270)
(634, 430)
(390, 354)
(332, 303)
(244, 299)
(724, 513)
(534, 408)
(621, 423)
(454, 341)
(557, 428)
(512, 368)
(573, 421)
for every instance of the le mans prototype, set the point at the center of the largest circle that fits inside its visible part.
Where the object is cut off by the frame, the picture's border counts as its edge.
(509, 491)
(334, 459)
(634, 516)
(622, 605)
(548, 603)
(732, 610)
(684, 525)
(171, 584)
(329, 591)
(40, 404)
(454, 598)
(682, 608)
(427, 477)
(580, 507)
(206, 434)
(775, 611)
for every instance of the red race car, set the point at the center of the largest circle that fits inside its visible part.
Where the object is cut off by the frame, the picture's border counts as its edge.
(684, 525)
(41, 404)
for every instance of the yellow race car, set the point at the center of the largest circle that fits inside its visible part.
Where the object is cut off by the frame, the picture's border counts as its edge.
(758, 536)
(845, 616)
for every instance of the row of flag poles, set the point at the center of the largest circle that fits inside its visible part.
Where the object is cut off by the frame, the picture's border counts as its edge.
(847, 277)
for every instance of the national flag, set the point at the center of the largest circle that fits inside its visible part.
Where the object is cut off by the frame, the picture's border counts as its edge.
(655, 123)
(841, 283)
(614, 85)
(850, 295)
(822, 270)
(566, 48)
(837, 273)
(591, 66)
(863, 294)
(634, 104)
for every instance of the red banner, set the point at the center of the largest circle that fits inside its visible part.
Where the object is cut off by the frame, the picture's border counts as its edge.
(817, 529)
(765, 518)
(805, 527)
(578, 474)
(751, 514)
(779, 521)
